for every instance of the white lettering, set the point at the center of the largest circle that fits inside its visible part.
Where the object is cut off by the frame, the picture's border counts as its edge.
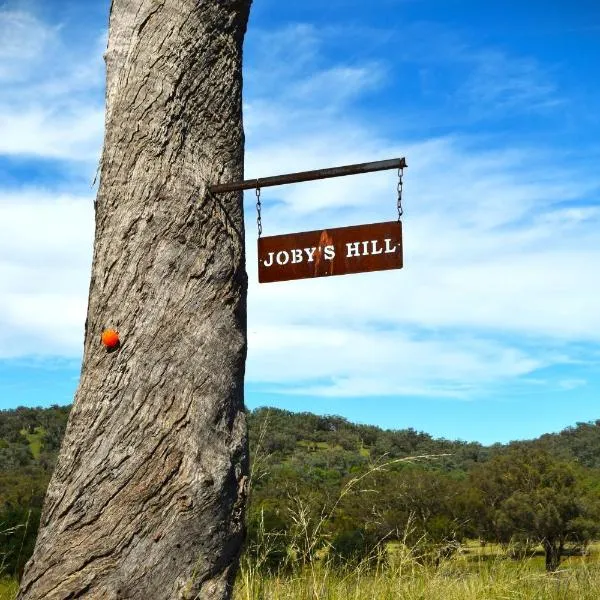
(388, 246)
(270, 259)
(310, 252)
(374, 247)
(365, 248)
(329, 252)
(281, 256)
(352, 249)
(296, 256)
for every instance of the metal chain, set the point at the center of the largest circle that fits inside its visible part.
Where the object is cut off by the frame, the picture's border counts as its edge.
(258, 208)
(400, 184)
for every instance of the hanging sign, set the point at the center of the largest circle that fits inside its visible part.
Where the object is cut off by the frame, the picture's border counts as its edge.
(327, 252)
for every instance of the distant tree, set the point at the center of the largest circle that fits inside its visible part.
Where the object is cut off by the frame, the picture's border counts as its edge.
(532, 497)
(14, 456)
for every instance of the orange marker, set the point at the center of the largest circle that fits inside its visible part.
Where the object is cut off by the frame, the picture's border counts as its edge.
(110, 338)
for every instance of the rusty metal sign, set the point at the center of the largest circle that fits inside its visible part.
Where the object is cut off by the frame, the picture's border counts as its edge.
(327, 252)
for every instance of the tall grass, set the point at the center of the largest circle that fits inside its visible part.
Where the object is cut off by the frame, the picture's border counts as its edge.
(8, 585)
(462, 577)
(8, 588)
(456, 579)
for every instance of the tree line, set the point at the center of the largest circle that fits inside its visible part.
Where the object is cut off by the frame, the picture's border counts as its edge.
(323, 484)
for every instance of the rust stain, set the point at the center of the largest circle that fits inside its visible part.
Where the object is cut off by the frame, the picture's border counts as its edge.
(322, 265)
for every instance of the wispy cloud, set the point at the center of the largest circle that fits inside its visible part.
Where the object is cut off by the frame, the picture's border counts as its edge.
(502, 83)
(476, 80)
(362, 361)
(45, 258)
(24, 41)
(501, 252)
(51, 102)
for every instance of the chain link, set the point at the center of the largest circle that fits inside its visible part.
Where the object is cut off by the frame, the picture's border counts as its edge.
(258, 209)
(400, 184)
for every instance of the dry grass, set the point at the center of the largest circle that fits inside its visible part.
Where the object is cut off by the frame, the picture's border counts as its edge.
(8, 589)
(464, 577)
(472, 575)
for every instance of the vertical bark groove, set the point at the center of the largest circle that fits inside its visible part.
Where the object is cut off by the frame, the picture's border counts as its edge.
(148, 494)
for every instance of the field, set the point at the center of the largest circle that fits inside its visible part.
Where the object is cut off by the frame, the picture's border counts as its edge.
(496, 582)
(35, 440)
(474, 574)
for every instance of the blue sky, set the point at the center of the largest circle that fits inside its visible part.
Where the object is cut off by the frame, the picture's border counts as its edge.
(491, 332)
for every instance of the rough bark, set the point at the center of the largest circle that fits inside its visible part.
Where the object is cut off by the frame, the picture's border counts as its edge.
(148, 495)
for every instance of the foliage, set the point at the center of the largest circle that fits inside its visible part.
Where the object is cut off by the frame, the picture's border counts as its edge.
(534, 498)
(324, 490)
(29, 442)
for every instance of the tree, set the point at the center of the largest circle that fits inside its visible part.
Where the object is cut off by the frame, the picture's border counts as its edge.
(148, 495)
(535, 498)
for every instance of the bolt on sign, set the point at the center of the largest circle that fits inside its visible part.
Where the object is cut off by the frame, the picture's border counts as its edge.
(327, 252)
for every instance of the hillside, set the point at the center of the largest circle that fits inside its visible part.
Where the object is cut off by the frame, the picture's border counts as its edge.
(304, 464)
(31, 437)
(287, 433)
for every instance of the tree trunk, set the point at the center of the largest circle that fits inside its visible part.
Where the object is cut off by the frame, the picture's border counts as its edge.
(147, 499)
(553, 552)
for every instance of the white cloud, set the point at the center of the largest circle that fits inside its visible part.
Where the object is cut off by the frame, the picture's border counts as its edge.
(346, 361)
(498, 248)
(24, 40)
(51, 97)
(501, 252)
(477, 82)
(572, 384)
(338, 85)
(503, 82)
(72, 133)
(45, 258)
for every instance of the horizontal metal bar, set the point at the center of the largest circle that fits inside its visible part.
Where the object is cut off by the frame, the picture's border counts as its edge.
(249, 184)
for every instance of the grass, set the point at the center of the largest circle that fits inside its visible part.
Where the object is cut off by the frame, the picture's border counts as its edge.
(8, 589)
(35, 442)
(474, 574)
(485, 575)
(312, 446)
(363, 451)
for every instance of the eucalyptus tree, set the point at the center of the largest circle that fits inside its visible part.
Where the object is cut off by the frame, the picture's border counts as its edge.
(530, 497)
(147, 499)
